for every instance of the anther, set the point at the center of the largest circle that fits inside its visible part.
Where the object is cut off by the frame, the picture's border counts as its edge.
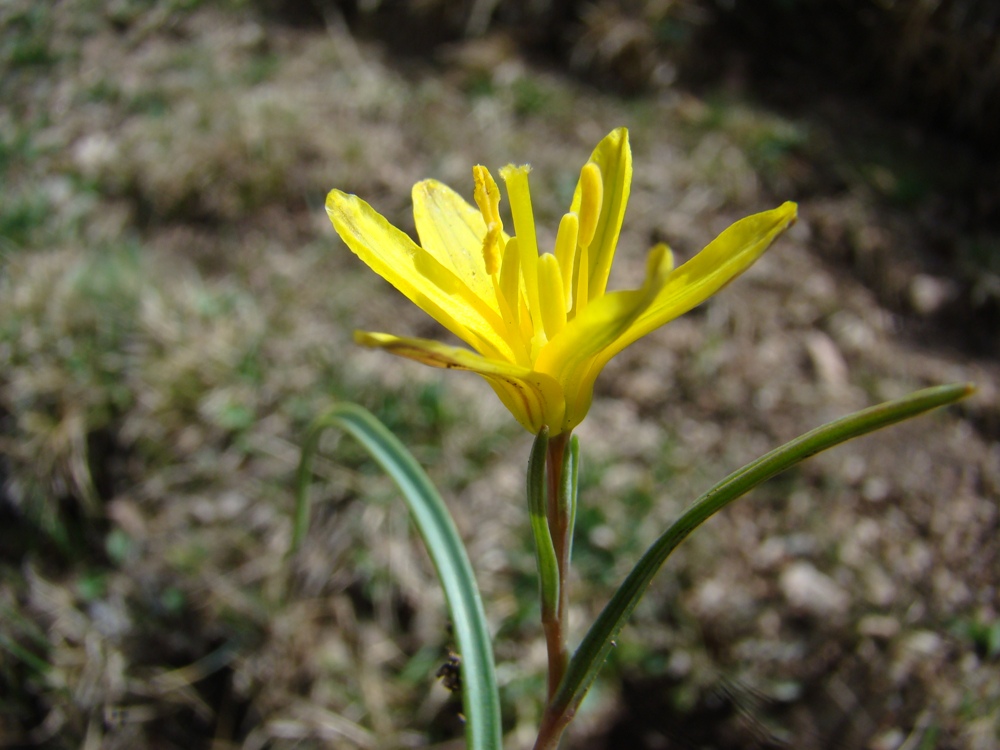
(551, 297)
(591, 198)
(565, 250)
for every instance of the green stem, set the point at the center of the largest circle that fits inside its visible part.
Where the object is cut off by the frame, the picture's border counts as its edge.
(598, 642)
(559, 527)
(549, 579)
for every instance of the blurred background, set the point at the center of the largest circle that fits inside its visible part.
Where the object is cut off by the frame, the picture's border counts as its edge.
(175, 307)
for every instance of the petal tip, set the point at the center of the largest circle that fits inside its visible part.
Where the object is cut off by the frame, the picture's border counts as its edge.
(337, 200)
(364, 338)
(790, 210)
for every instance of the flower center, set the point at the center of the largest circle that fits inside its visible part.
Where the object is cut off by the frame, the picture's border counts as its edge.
(537, 295)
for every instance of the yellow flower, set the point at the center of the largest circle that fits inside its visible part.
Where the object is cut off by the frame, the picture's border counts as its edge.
(542, 325)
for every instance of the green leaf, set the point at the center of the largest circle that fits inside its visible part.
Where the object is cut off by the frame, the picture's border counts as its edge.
(480, 697)
(597, 644)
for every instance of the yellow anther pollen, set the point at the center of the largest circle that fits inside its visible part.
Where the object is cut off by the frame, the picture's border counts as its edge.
(591, 198)
(491, 249)
(487, 195)
(551, 297)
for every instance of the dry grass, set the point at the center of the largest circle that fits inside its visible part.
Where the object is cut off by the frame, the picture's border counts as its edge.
(175, 308)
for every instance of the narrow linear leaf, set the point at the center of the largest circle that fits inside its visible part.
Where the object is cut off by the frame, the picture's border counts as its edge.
(597, 644)
(480, 697)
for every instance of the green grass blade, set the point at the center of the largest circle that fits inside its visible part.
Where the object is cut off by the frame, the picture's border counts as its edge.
(480, 697)
(597, 643)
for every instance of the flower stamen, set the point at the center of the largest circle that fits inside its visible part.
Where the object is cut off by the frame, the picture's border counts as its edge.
(516, 180)
(591, 200)
(565, 252)
(551, 295)
(487, 197)
(540, 328)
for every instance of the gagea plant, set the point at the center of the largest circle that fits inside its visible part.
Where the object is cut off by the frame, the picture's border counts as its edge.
(540, 327)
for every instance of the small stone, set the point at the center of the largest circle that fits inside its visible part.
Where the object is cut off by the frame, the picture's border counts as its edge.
(93, 153)
(928, 294)
(712, 597)
(875, 489)
(925, 643)
(811, 591)
(879, 587)
(827, 361)
(882, 627)
(770, 553)
(679, 664)
(890, 739)
(603, 537)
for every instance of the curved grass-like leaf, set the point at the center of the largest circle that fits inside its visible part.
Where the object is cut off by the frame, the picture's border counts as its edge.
(597, 644)
(480, 698)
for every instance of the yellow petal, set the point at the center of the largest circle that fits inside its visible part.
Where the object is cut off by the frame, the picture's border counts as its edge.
(725, 258)
(614, 157)
(452, 231)
(425, 280)
(535, 399)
